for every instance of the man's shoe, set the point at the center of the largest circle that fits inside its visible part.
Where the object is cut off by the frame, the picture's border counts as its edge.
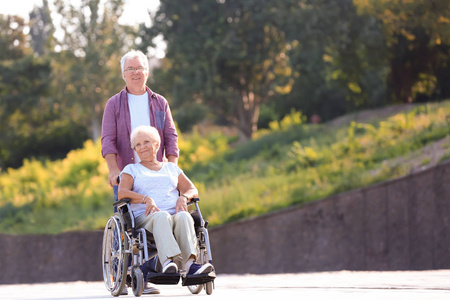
(196, 269)
(150, 290)
(124, 291)
(170, 268)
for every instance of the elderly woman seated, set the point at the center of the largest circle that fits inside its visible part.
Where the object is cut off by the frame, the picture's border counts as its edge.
(153, 188)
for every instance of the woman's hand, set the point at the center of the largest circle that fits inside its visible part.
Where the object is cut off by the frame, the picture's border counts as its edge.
(150, 206)
(181, 204)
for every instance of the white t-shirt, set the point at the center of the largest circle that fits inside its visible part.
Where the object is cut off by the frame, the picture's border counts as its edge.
(139, 113)
(160, 185)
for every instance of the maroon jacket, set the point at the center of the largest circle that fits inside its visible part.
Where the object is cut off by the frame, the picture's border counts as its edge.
(116, 127)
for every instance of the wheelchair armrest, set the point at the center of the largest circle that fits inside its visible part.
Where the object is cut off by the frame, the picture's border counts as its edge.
(122, 202)
(193, 200)
(128, 200)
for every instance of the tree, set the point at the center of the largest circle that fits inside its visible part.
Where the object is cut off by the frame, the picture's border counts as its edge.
(12, 37)
(230, 55)
(338, 56)
(41, 29)
(254, 61)
(30, 123)
(418, 38)
(338, 59)
(91, 49)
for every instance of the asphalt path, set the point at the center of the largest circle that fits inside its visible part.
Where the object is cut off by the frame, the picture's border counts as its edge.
(397, 285)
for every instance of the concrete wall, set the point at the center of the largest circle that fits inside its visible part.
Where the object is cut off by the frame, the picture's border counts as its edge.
(402, 224)
(51, 258)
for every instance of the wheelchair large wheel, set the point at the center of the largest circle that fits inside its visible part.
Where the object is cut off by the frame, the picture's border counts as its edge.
(114, 257)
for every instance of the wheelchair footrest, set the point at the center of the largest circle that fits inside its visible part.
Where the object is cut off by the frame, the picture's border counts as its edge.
(198, 279)
(163, 278)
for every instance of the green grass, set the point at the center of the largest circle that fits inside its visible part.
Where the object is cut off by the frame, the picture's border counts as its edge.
(304, 163)
(290, 164)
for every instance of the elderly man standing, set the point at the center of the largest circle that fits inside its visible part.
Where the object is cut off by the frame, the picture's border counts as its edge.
(134, 106)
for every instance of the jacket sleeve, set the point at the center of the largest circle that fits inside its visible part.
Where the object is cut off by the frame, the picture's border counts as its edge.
(170, 134)
(109, 129)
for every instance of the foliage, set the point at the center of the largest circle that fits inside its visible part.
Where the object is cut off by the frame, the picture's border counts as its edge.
(227, 53)
(313, 167)
(42, 29)
(30, 122)
(286, 166)
(88, 63)
(338, 56)
(418, 37)
(338, 60)
(197, 149)
(50, 197)
(227, 62)
(53, 91)
(12, 37)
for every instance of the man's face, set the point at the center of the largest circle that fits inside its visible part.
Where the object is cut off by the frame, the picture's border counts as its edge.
(135, 75)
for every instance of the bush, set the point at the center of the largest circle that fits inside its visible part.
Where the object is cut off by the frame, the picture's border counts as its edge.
(290, 165)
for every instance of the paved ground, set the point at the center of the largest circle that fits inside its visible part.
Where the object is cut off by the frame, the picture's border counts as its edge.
(329, 285)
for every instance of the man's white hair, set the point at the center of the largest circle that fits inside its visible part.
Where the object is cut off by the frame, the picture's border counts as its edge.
(150, 131)
(134, 54)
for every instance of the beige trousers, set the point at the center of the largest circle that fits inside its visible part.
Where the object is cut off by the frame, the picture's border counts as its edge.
(174, 234)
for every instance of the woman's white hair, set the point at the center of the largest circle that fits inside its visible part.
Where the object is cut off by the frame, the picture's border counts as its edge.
(133, 54)
(150, 131)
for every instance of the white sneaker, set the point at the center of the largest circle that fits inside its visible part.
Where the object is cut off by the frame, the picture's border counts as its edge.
(170, 268)
(150, 290)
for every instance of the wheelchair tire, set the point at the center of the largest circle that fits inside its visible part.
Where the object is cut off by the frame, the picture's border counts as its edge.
(209, 288)
(114, 256)
(195, 289)
(137, 282)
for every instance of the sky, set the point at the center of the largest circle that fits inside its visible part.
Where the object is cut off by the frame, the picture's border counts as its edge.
(135, 11)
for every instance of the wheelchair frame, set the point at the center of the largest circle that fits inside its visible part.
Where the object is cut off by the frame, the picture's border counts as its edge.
(122, 241)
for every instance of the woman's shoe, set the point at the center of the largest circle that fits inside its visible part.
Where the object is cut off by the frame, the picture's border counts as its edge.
(170, 268)
(197, 269)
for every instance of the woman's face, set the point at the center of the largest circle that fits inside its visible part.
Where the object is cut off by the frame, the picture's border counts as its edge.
(145, 147)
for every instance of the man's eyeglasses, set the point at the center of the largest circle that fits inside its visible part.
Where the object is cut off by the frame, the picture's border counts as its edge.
(138, 69)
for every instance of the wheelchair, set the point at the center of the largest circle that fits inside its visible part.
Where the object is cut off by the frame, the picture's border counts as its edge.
(125, 248)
